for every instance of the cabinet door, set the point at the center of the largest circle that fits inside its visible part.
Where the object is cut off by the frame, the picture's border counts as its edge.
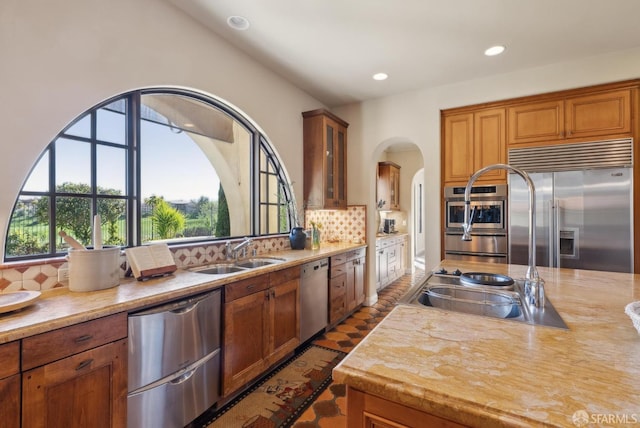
(350, 287)
(337, 298)
(88, 389)
(359, 273)
(335, 165)
(10, 401)
(246, 339)
(394, 186)
(536, 122)
(605, 114)
(458, 147)
(285, 319)
(382, 268)
(490, 146)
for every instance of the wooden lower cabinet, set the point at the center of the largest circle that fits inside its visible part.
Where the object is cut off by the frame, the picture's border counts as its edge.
(76, 376)
(369, 411)
(355, 270)
(261, 325)
(10, 385)
(88, 389)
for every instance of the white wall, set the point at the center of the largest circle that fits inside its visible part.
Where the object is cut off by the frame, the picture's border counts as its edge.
(59, 58)
(415, 117)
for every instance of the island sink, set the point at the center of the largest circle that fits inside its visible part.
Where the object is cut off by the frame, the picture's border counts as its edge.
(449, 293)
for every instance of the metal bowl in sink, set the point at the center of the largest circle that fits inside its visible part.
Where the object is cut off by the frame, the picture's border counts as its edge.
(257, 262)
(482, 279)
(472, 301)
(220, 269)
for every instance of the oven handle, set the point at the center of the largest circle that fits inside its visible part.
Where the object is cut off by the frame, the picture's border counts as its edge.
(466, 253)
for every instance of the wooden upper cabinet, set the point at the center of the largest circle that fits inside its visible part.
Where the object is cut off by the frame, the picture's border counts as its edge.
(605, 114)
(458, 147)
(490, 145)
(601, 115)
(388, 186)
(472, 141)
(534, 122)
(325, 160)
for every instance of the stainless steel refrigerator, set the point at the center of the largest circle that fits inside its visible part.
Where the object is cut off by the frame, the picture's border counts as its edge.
(584, 219)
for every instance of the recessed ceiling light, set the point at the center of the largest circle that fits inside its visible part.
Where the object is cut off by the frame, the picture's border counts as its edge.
(494, 50)
(380, 76)
(238, 22)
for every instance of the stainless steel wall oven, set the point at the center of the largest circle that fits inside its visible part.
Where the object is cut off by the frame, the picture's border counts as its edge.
(489, 208)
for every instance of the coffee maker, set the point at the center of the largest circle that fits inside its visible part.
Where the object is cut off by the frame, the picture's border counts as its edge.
(389, 225)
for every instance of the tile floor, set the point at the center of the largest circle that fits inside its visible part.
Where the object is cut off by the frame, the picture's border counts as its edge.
(329, 410)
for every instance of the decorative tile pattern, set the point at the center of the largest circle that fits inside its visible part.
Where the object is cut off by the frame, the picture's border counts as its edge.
(348, 225)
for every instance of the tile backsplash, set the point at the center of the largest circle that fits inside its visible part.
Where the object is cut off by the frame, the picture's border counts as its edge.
(336, 226)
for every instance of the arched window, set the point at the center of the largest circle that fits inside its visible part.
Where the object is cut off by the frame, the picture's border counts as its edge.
(167, 165)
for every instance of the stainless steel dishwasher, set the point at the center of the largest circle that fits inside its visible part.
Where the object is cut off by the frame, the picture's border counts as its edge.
(314, 298)
(174, 362)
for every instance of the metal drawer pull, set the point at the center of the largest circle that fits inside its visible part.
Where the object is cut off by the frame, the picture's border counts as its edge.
(251, 287)
(84, 364)
(83, 338)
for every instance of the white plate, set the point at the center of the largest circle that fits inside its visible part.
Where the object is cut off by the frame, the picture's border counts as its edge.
(13, 300)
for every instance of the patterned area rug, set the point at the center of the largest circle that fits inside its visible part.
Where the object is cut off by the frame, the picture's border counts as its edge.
(278, 400)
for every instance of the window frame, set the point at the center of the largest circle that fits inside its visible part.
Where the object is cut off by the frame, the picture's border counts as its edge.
(132, 99)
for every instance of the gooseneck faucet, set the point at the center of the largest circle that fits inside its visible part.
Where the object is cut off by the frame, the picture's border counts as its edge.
(534, 285)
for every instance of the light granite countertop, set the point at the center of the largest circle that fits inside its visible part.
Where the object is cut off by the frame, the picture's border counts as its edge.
(60, 307)
(487, 372)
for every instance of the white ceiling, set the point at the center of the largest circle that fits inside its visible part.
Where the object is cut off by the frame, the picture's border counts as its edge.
(331, 48)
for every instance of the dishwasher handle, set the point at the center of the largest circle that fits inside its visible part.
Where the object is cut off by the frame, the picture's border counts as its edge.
(179, 307)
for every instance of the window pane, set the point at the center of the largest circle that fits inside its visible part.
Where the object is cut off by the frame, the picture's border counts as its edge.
(29, 227)
(113, 214)
(186, 148)
(81, 128)
(38, 181)
(111, 123)
(111, 170)
(73, 215)
(73, 166)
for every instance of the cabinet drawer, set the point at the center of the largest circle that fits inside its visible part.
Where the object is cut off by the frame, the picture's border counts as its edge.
(245, 287)
(9, 359)
(356, 254)
(338, 270)
(337, 287)
(339, 259)
(284, 275)
(54, 345)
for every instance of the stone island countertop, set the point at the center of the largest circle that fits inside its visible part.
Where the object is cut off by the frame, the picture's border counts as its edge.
(486, 372)
(60, 307)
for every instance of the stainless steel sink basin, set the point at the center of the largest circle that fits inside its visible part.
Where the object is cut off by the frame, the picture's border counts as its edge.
(449, 293)
(220, 269)
(239, 266)
(257, 262)
(472, 301)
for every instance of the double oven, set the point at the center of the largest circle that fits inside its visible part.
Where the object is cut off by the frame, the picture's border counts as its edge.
(489, 241)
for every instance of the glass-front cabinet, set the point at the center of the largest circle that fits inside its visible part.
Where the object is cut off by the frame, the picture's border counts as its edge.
(325, 160)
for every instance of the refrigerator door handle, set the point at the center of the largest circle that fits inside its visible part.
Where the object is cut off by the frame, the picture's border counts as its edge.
(556, 232)
(551, 214)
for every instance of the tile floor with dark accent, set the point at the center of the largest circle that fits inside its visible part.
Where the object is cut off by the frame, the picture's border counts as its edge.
(330, 408)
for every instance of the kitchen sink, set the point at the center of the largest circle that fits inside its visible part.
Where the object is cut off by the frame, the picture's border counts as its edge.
(220, 269)
(257, 262)
(449, 293)
(238, 266)
(472, 301)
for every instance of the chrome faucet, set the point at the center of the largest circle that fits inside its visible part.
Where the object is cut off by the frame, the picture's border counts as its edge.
(241, 246)
(533, 284)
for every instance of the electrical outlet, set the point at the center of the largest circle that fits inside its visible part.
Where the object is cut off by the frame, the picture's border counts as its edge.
(63, 275)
